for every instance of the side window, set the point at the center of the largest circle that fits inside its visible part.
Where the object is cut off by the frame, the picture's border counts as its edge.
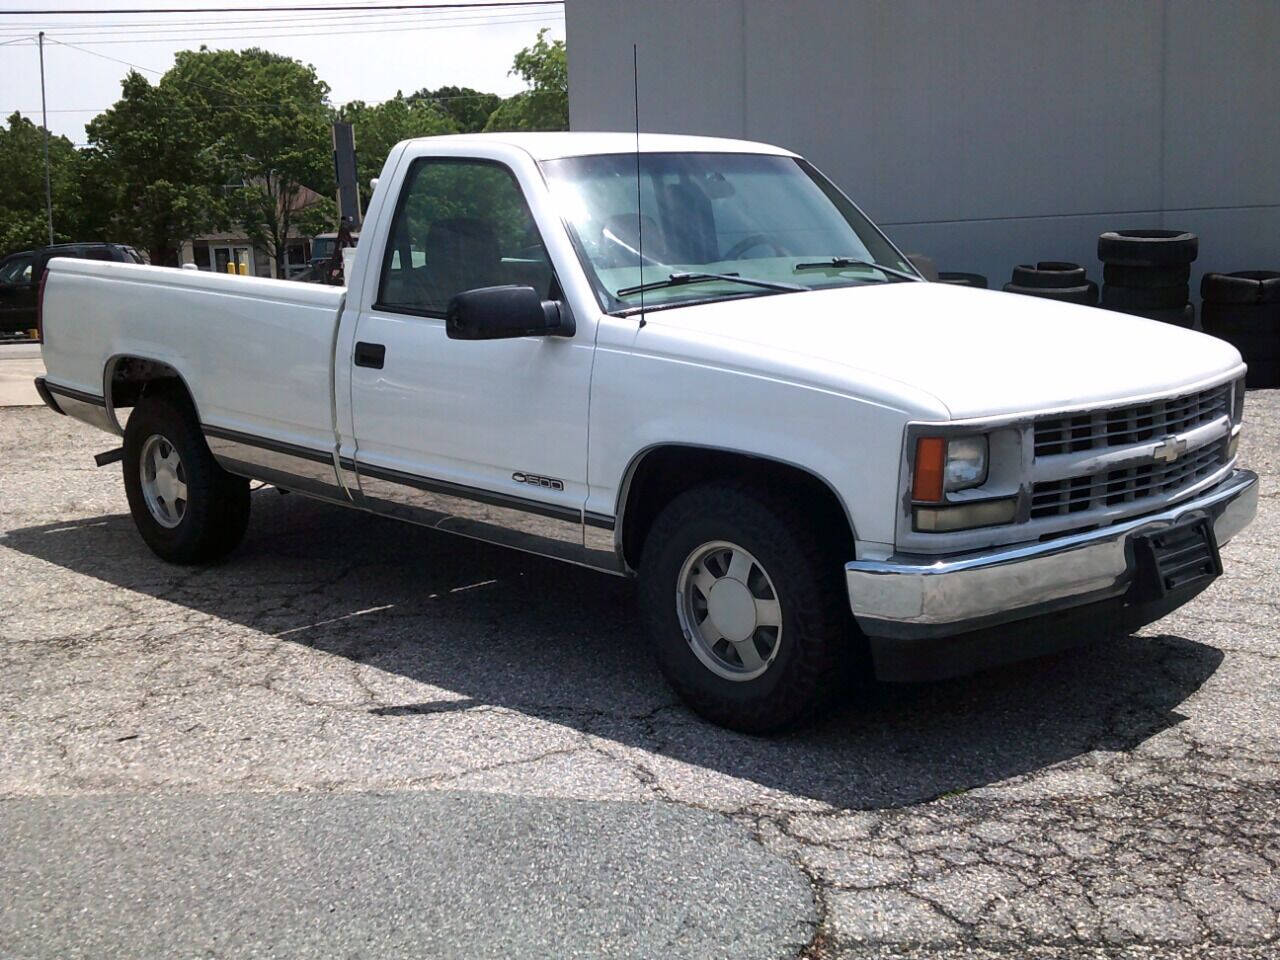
(459, 225)
(16, 271)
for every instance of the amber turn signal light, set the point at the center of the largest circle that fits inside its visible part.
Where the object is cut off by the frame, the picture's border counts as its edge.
(931, 457)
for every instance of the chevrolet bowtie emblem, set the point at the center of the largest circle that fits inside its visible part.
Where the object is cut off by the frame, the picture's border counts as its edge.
(1170, 449)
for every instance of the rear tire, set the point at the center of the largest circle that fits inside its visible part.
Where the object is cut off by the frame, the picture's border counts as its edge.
(746, 609)
(186, 507)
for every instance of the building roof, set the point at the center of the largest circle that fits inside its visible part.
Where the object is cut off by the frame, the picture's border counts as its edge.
(549, 146)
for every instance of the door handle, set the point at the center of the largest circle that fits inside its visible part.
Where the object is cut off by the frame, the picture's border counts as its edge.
(370, 355)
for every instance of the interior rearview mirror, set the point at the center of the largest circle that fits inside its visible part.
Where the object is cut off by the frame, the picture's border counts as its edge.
(496, 313)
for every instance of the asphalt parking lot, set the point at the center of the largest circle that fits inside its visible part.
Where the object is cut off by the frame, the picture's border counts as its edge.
(360, 738)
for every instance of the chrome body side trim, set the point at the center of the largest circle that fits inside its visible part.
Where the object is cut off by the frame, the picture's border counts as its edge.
(87, 407)
(600, 542)
(347, 476)
(283, 464)
(534, 527)
(915, 595)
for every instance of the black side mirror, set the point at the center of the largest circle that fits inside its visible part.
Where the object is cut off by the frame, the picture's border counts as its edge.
(496, 313)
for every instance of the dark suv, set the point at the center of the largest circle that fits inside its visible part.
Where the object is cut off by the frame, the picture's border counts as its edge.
(20, 278)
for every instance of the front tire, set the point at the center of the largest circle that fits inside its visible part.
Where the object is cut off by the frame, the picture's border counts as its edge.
(745, 608)
(186, 507)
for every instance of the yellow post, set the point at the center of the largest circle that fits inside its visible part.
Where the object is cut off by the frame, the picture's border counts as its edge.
(244, 269)
(231, 266)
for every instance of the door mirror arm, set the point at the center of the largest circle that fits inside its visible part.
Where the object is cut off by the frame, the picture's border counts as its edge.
(498, 313)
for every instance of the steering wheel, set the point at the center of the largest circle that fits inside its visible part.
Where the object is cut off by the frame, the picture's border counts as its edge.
(755, 240)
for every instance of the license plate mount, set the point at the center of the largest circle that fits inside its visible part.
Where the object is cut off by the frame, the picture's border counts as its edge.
(1180, 557)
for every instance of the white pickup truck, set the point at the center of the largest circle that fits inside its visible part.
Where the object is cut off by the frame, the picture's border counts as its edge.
(696, 362)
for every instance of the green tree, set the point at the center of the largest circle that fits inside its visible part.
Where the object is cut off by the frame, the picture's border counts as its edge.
(23, 220)
(269, 124)
(545, 105)
(225, 139)
(151, 171)
(379, 127)
(468, 109)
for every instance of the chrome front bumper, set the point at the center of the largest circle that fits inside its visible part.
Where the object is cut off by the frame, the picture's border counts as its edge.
(919, 596)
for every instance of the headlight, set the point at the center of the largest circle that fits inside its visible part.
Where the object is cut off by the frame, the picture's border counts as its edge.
(944, 465)
(966, 463)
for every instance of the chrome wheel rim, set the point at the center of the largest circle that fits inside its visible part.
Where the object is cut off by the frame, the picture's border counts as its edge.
(164, 481)
(729, 611)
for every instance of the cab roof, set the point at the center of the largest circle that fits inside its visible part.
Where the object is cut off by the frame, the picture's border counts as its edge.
(552, 146)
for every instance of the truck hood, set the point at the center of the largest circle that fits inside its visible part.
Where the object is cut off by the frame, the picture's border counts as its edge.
(978, 352)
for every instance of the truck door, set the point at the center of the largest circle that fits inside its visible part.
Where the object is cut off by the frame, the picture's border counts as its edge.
(486, 438)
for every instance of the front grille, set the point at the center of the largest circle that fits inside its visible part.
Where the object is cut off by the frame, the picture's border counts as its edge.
(1121, 426)
(1109, 488)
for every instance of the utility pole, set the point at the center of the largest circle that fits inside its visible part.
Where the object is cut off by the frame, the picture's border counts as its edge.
(44, 120)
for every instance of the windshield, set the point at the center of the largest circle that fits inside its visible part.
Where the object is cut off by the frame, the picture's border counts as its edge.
(753, 215)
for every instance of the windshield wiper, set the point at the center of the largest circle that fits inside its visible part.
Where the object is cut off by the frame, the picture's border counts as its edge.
(852, 262)
(681, 279)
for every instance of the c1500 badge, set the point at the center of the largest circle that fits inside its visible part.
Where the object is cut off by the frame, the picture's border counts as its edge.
(550, 483)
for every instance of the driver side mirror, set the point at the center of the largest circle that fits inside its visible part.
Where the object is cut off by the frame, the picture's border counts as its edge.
(498, 313)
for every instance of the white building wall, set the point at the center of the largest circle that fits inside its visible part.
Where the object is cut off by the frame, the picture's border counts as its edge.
(983, 133)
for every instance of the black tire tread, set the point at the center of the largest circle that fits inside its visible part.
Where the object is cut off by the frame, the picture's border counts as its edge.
(1130, 276)
(823, 637)
(218, 502)
(1148, 247)
(963, 279)
(1184, 316)
(1115, 297)
(1050, 274)
(1243, 287)
(1087, 294)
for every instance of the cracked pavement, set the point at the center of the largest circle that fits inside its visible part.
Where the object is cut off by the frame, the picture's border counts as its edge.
(358, 736)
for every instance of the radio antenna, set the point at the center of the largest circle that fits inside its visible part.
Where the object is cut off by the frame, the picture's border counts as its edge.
(635, 95)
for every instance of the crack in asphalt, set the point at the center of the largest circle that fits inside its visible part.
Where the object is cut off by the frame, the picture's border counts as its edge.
(1148, 828)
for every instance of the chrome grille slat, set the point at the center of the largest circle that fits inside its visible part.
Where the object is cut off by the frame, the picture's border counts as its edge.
(1121, 426)
(1050, 498)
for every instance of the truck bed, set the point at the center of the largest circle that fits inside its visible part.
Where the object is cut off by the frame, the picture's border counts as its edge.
(256, 354)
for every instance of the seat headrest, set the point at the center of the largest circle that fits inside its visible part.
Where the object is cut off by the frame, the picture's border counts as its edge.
(461, 240)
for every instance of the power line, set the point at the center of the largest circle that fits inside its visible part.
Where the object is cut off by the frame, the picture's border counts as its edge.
(280, 9)
(304, 33)
(350, 15)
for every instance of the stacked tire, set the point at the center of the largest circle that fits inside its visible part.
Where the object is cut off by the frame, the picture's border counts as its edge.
(1244, 309)
(1147, 273)
(1054, 280)
(963, 279)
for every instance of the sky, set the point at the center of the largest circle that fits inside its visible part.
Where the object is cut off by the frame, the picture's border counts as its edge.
(362, 55)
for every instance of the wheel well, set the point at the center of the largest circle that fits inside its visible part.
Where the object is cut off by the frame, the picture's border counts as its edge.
(129, 379)
(665, 472)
